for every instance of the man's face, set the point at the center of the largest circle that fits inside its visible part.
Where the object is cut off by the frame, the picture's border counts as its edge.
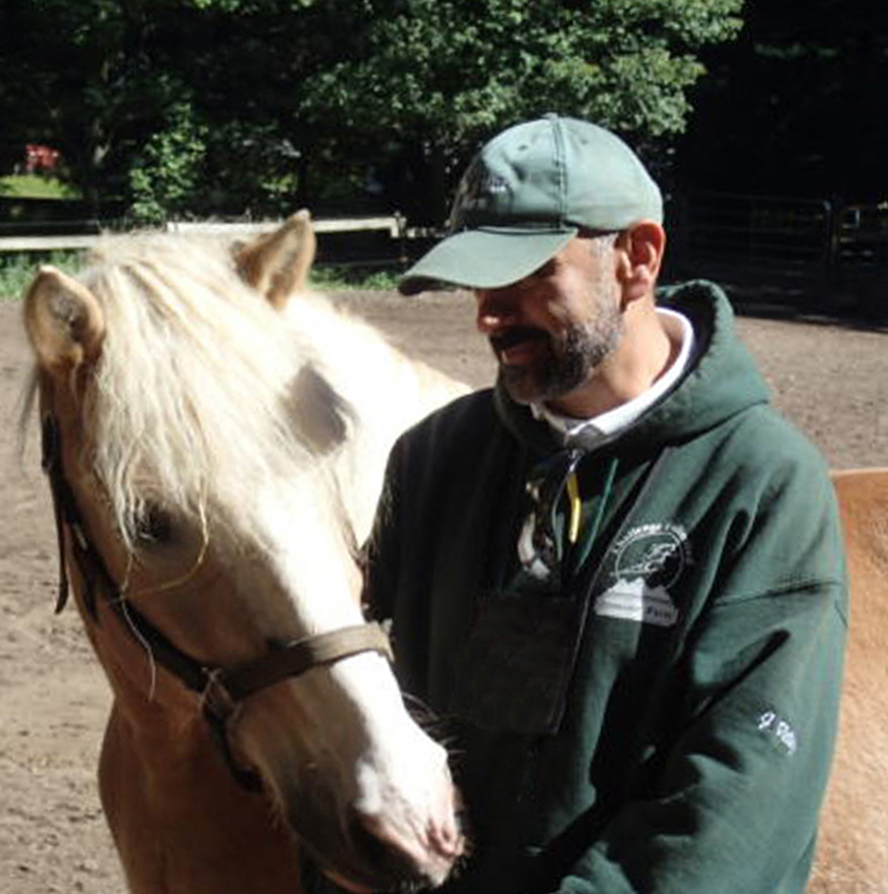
(552, 330)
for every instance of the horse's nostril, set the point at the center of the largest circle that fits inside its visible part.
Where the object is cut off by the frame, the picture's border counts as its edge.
(415, 860)
(387, 861)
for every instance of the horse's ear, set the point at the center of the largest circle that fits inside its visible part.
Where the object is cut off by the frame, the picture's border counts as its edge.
(63, 320)
(277, 264)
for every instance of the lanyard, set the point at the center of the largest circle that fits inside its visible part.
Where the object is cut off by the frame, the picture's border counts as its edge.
(591, 533)
(539, 550)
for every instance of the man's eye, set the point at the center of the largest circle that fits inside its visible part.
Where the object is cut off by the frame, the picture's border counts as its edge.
(154, 526)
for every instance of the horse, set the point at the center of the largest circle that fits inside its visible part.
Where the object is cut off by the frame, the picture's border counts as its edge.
(852, 854)
(188, 528)
(214, 440)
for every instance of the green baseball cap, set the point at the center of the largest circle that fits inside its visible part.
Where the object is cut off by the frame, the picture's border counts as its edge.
(528, 192)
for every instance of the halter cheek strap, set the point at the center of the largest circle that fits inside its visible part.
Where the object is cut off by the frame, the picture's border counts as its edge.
(68, 515)
(220, 690)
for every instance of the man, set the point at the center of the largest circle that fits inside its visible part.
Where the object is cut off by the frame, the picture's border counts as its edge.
(618, 574)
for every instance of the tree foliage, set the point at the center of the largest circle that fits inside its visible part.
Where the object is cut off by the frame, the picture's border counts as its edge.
(228, 106)
(462, 67)
(111, 84)
(441, 75)
(165, 176)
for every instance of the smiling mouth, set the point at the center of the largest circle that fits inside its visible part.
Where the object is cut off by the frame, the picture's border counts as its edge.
(517, 344)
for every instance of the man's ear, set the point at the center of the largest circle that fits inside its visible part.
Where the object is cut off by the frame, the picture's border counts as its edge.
(641, 250)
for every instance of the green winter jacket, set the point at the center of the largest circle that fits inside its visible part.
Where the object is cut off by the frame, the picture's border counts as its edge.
(659, 715)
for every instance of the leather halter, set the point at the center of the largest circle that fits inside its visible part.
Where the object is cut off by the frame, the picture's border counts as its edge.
(219, 689)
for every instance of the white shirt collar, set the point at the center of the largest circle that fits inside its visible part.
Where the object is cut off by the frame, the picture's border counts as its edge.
(590, 433)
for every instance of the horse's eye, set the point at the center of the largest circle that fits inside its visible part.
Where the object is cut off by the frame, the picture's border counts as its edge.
(154, 526)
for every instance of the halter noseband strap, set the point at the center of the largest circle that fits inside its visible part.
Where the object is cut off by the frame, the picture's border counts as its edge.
(220, 690)
(301, 655)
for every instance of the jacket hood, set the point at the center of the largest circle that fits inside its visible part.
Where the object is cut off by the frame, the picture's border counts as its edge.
(723, 380)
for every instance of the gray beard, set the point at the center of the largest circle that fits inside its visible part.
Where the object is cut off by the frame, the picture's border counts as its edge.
(569, 364)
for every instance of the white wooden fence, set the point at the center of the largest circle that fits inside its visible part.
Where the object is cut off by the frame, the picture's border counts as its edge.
(394, 225)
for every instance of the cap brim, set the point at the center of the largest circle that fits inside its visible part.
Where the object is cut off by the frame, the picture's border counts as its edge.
(484, 258)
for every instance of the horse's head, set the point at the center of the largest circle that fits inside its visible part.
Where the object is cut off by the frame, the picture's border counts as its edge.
(192, 445)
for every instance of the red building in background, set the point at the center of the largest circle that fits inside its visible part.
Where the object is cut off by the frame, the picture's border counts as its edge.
(41, 159)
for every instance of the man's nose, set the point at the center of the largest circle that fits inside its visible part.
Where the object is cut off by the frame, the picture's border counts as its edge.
(496, 308)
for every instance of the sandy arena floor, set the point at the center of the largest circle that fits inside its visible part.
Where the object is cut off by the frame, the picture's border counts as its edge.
(831, 378)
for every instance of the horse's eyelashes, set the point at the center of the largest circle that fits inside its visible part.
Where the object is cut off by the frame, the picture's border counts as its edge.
(154, 526)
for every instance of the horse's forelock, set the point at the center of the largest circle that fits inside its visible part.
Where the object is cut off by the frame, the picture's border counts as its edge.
(192, 392)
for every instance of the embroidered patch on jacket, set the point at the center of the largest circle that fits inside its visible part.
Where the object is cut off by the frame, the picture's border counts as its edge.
(780, 729)
(649, 559)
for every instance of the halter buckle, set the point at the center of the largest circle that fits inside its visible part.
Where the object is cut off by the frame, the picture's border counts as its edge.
(215, 700)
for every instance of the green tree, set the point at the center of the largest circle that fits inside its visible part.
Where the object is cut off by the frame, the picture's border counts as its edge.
(232, 106)
(110, 83)
(432, 78)
(166, 175)
(79, 77)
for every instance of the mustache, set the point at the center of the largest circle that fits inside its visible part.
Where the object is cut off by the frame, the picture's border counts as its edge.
(514, 336)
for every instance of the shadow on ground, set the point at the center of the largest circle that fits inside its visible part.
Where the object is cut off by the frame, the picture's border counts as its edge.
(858, 305)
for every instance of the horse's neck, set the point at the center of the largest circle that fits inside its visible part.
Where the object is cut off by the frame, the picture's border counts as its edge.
(180, 822)
(375, 377)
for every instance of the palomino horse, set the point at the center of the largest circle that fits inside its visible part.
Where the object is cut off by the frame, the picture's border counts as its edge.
(205, 440)
(213, 469)
(852, 855)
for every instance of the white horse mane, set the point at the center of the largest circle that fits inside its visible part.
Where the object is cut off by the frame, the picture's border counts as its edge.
(194, 392)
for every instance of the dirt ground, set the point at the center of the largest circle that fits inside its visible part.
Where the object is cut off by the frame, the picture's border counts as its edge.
(828, 375)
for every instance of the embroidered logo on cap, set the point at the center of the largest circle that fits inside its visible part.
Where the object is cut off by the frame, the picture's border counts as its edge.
(479, 191)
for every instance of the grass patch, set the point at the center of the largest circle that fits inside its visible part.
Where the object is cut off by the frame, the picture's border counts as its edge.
(334, 278)
(31, 186)
(18, 269)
